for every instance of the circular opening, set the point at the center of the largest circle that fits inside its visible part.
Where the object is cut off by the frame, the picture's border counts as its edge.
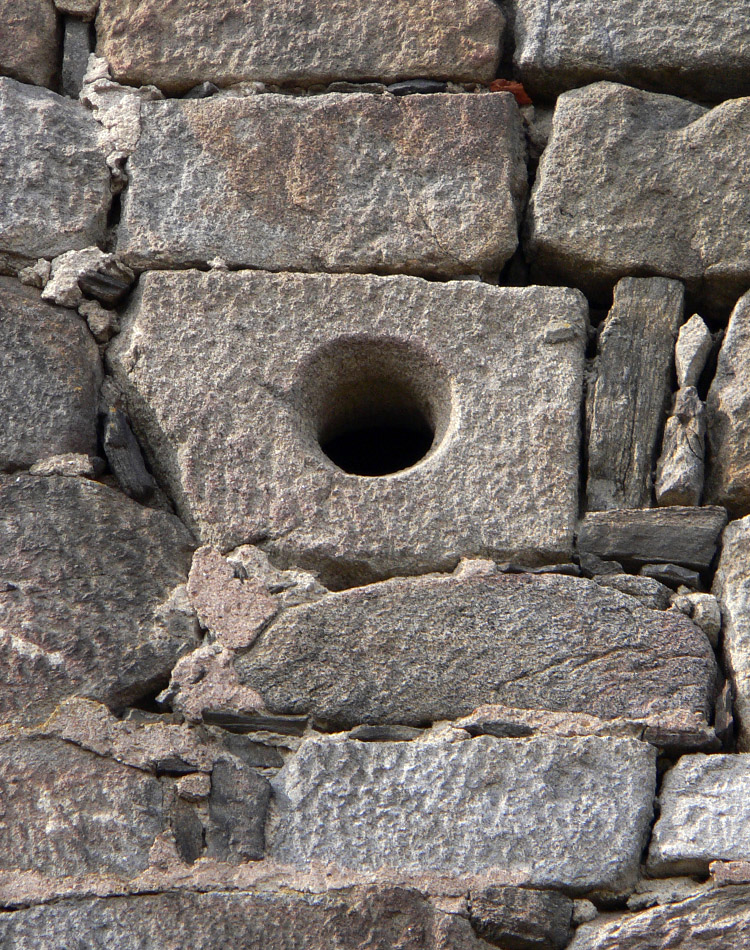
(376, 407)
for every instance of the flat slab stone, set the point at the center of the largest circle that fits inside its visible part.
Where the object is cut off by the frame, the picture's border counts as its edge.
(91, 602)
(49, 386)
(687, 536)
(29, 41)
(689, 49)
(719, 920)
(704, 817)
(179, 43)
(570, 813)
(367, 183)
(732, 589)
(416, 651)
(270, 365)
(53, 177)
(359, 918)
(728, 410)
(634, 182)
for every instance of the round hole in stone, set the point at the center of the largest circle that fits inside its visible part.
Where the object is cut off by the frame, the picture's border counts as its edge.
(376, 406)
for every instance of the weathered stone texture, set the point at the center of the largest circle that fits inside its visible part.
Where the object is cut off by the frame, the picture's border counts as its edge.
(29, 41)
(687, 536)
(53, 177)
(521, 918)
(679, 471)
(90, 596)
(561, 812)
(728, 406)
(334, 182)
(693, 347)
(49, 383)
(421, 650)
(732, 588)
(705, 815)
(633, 182)
(359, 918)
(630, 395)
(700, 51)
(719, 920)
(177, 44)
(231, 380)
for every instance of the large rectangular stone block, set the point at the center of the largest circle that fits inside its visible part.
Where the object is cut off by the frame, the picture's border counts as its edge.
(53, 176)
(570, 813)
(335, 182)
(176, 44)
(360, 426)
(29, 41)
(698, 50)
(638, 183)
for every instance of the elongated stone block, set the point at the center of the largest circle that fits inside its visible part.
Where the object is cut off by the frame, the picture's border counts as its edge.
(53, 177)
(90, 595)
(29, 41)
(335, 182)
(179, 43)
(634, 182)
(421, 650)
(701, 51)
(571, 813)
(238, 385)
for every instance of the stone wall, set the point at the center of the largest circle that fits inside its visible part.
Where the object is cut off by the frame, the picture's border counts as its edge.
(374, 475)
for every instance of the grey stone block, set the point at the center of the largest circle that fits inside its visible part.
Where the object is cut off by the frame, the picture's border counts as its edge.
(76, 50)
(694, 345)
(234, 381)
(570, 813)
(237, 813)
(522, 919)
(679, 471)
(367, 183)
(177, 44)
(29, 41)
(634, 182)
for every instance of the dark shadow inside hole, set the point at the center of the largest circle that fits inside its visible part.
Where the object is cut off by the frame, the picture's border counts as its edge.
(379, 449)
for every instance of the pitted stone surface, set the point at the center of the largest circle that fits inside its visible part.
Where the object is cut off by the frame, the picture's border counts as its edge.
(732, 588)
(634, 182)
(679, 471)
(705, 815)
(334, 182)
(53, 177)
(90, 596)
(29, 41)
(358, 918)
(228, 379)
(719, 920)
(177, 44)
(700, 51)
(49, 384)
(566, 812)
(728, 408)
(421, 650)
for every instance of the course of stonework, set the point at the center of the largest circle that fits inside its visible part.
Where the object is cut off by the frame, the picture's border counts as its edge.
(374, 475)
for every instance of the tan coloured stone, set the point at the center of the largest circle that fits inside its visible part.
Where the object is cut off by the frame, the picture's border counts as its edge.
(181, 43)
(334, 182)
(29, 41)
(234, 380)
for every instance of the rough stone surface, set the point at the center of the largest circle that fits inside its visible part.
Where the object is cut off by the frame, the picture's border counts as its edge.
(648, 591)
(705, 815)
(90, 602)
(692, 50)
(49, 383)
(522, 919)
(629, 397)
(53, 177)
(70, 464)
(532, 641)
(85, 9)
(719, 920)
(682, 536)
(706, 614)
(76, 49)
(728, 406)
(237, 813)
(367, 183)
(29, 41)
(693, 347)
(184, 42)
(358, 918)
(679, 471)
(228, 380)
(91, 271)
(562, 812)
(634, 182)
(732, 589)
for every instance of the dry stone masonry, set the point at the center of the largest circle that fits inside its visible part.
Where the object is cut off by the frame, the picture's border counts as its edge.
(374, 475)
